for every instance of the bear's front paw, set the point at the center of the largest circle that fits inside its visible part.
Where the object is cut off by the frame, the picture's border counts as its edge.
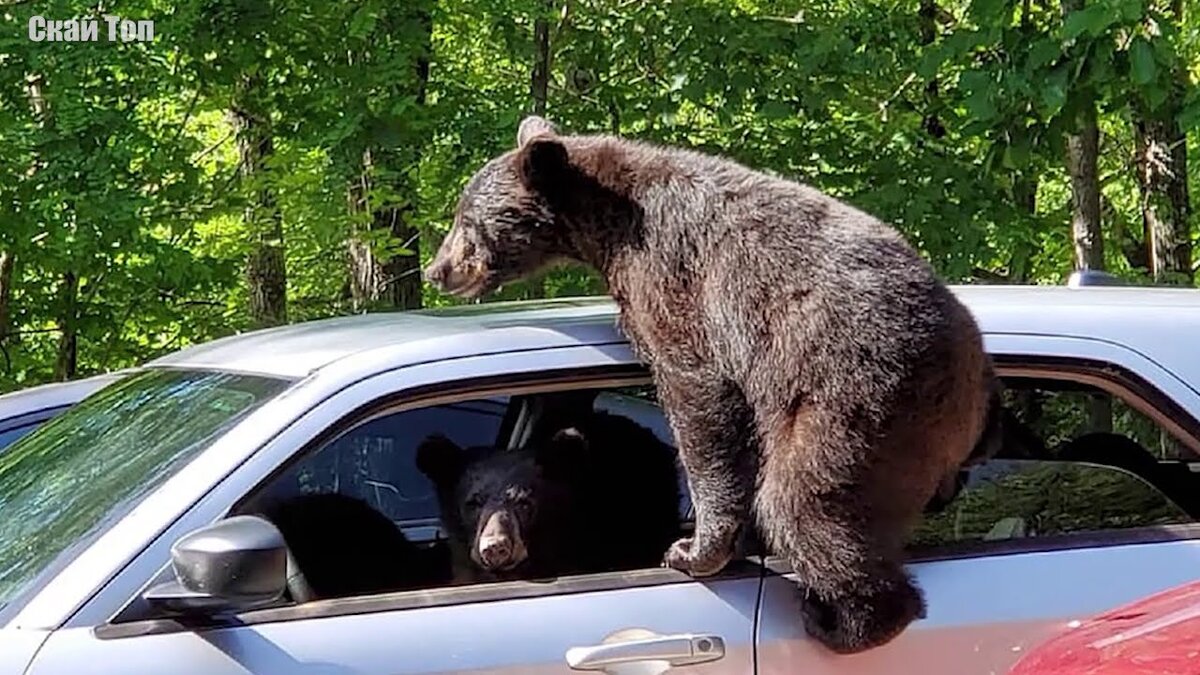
(681, 556)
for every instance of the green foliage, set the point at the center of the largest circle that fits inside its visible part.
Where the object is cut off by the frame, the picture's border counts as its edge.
(125, 171)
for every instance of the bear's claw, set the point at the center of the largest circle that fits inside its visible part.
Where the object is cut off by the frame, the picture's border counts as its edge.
(680, 556)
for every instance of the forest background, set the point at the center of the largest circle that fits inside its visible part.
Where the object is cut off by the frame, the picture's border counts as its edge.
(262, 162)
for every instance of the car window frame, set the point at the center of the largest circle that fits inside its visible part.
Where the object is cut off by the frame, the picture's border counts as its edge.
(1118, 381)
(128, 620)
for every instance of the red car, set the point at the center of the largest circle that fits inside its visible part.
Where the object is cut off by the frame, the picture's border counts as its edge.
(1159, 635)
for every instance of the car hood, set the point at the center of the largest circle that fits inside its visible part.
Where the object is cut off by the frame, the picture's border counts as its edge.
(1159, 634)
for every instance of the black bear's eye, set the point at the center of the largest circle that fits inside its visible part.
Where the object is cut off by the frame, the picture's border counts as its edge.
(475, 501)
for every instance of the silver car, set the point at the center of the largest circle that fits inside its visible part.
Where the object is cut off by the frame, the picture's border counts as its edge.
(124, 548)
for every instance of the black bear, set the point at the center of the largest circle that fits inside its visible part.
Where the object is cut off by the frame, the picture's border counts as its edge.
(820, 379)
(601, 495)
(344, 547)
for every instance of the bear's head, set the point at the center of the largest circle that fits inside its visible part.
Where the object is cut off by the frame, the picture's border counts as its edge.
(506, 225)
(511, 509)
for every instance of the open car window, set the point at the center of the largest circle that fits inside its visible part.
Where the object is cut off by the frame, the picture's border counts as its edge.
(1076, 460)
(1013, 499)
(375, 461)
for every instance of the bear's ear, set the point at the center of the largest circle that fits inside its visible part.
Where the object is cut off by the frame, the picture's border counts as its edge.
(440, 459)
(570, 440)
(532, 126)
(542, 163)
(565, 450)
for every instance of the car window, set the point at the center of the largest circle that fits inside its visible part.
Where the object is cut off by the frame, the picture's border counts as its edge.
(60, 484)
(10, 436)
(375, 461)
(1060, 420)
(1012, 499)
(1057, 412)
(1076, 459)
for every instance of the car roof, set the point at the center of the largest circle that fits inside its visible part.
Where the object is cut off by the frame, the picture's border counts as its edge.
(1138, 316)
(298, 349)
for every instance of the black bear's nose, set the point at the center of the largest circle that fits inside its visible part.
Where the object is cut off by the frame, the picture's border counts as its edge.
(495, 550)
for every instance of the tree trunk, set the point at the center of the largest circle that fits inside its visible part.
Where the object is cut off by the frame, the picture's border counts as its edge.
(1082, 152)
(1165, 202)
(364, 268)
(927, 14)
(68, 341)
(539, 86)
(540, 79)
(1161, 147)
(393, 281)
(1024, 192)
(266, 273)
(7, 263)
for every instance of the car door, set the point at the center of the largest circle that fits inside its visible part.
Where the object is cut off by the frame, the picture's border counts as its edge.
(643, 621)
(1099, 512)
(1003, 589)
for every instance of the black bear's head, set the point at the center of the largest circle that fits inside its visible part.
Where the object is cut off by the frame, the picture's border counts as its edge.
(513, 508)
(506, 225)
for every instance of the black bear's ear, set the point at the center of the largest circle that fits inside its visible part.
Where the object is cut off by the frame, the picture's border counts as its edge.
(565, 449)
(569, 440)
(439, 458)
(542, 163)
(541, 158)
(533, 126)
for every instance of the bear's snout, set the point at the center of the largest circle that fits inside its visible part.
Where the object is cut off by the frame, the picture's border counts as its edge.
(500, 546)
(459, 267)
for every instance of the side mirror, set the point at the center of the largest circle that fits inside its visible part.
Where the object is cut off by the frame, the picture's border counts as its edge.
(236, 564)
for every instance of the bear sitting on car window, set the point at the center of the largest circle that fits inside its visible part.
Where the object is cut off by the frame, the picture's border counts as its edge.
(601, 495)
(820, 379)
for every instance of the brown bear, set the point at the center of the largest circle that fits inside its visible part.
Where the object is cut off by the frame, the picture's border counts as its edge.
(820, 379)
(548, 508)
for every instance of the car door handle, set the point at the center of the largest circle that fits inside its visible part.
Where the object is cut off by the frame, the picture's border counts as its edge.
(675, 650)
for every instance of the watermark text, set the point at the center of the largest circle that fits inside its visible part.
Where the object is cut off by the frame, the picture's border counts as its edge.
(112, 28)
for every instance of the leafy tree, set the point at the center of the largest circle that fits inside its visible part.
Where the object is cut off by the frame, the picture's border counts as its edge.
(138, 215)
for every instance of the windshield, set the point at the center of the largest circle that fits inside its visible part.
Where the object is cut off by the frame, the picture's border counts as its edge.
(62, 483)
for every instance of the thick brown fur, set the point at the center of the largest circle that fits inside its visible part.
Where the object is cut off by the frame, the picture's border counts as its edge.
(821, 381)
